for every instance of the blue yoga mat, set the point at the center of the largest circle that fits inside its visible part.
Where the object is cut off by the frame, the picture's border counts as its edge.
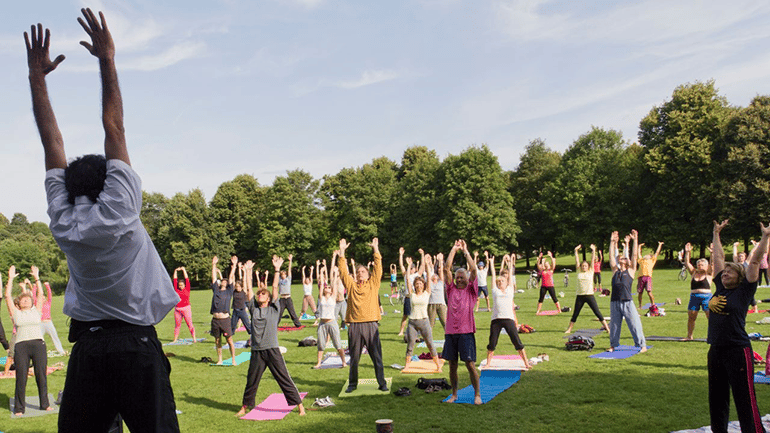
(491, 382)
(620, 352)
(759, 377)
(240, 358)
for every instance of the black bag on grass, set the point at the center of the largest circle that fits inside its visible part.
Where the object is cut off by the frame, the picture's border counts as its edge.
(579, 342)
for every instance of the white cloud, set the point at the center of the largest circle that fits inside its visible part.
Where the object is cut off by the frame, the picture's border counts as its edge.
(182, 51)
(368, 78)
(307, 4)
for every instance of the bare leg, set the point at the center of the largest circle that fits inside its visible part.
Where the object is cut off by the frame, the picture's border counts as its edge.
(453, 380)
(640, 299)
(523, 355)
(232, 350)
(301, 409)
(342, 356)
(487, 298)
(242, 412)
(569, 328)
(438, 363)
(490, 354)
(558, 307)
(605, 326)
(691, 316)
(320, 357)
(652, 298)
(471, 366)
(219, 350)
(403, 326)
(539, 306)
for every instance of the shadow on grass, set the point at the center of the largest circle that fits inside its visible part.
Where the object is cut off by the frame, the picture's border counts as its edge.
(207, 402)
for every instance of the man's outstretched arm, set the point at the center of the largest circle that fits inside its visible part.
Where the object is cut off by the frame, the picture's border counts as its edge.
(40, 65)
(103, 48)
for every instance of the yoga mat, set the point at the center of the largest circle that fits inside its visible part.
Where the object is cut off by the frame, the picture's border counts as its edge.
(647, 305)
(504, 362)
(290, 328)
(33, 407)
(238, 345)
(436, 343)
(3, 360)
(547, 313)
(491, 383)
(185, 342)
(274, 407)
(333, 361)
(661, 338)
(343, 344)
(306, 317)
(365, 387)
(751, 310)
(586, 333)
(423, 366)
(759, 377)
(240, 358)
(620, 352)
(12, 373)
(732, 427)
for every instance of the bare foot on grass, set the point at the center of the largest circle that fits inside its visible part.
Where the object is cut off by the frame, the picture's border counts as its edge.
(452, 399)
(242, 412)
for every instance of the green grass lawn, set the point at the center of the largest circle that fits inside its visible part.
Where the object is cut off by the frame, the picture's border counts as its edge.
(662, 390)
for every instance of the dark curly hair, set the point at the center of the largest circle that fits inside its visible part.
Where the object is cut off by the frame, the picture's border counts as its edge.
(85, 176)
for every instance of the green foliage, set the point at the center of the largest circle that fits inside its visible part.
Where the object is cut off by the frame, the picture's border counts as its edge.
(25, 244)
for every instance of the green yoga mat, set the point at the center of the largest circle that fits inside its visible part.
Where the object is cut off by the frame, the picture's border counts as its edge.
(239, 358)
(365, 387)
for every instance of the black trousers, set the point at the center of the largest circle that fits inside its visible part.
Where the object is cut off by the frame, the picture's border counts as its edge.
(288, 305)
(365, 334)
(3, 340)
(732, 368)
(116, 367)
(272, 359)
(510, 327)
(23, 352)
(580, 300)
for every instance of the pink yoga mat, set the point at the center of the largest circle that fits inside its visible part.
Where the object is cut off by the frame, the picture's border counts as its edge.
(548, 313)
(274, 407)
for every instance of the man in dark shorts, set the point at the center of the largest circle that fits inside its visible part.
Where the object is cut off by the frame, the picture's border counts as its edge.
(118, 288)
(222, 294)
(460, 339)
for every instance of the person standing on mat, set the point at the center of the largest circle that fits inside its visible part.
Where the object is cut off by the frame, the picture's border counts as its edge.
(730, 357)
(183, 309)
(646, 265)
(307, 295)
(700, 289)
(29, 342)
(597, 265)
(284, 289)
(481, 269)
(418, 319)
(462, 291)
(118, 288)
(585, 290)
(621, 299)
(46, 323)
(437, 303)
(265, 353)
(546, 284)
(221, 295)
(363, 314)
(503, 314)
(326, 317)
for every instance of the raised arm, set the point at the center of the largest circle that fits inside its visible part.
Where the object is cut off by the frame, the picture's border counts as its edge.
(342, 265)
(408, 273)
(577, 258)
(233, 267)
(752, 272)
(376, 275)
(288, 273)
(634, 255)
(614, 251)
(718, 255)
(593, 258)
(304, 276)
(491, 264)
(687, 253)
(735, 250)
(8, 290)
(277, 262)
(40, 64)
(657, 252)
(103, 48)
(539, 263)
(449, 260)
(248, 283)
(39, 297)
(401, 260)
(472, 269)
(214, 269)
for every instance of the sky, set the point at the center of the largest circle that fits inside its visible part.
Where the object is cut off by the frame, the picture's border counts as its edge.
(217, 88)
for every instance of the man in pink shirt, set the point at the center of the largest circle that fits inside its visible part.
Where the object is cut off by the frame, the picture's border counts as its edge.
(460, 340)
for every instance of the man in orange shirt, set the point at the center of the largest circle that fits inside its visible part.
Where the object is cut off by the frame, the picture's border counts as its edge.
(646, 264)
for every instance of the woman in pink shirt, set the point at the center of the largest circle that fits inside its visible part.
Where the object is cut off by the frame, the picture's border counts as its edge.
(183, 308)
(546, 284)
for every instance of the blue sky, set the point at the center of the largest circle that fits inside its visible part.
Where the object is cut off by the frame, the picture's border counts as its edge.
(216, 88)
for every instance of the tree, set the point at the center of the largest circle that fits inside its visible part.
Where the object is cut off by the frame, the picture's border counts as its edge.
(239, 205)
(741, 161)
(357, 202)
(473, 203)
(190, 235)
(678, 137)
(537, 167)
(152, 207)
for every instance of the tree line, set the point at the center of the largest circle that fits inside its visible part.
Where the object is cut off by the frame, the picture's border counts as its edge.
(697, 159)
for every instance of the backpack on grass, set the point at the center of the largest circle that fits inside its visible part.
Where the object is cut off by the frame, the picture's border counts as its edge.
(579, 342)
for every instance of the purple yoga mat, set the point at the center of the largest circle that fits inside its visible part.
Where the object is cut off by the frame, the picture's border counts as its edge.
(274, 407)
(620, 352)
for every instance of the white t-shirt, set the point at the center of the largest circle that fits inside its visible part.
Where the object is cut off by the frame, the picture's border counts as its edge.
(481, 274)
(502, 303)
(420, 305)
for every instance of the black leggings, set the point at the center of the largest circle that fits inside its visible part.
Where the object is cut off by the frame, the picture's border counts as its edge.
(510, 328)
(551, 291)
(23, 352)
(591, 301)
(763, 273)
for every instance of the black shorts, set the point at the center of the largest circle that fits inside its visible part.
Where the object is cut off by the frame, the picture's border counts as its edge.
(407, 306)
(463, 345)
(220, 327)
(393, 284)
(484, 290)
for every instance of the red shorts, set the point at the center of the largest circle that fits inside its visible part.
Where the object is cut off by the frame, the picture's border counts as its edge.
(645, 283)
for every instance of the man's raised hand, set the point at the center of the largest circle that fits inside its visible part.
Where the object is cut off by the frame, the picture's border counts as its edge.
(101, 45)
(38, 58)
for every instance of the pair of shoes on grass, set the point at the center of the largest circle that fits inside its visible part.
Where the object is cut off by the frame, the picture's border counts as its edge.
(403, 392)
(323, 402)
(433, 388)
